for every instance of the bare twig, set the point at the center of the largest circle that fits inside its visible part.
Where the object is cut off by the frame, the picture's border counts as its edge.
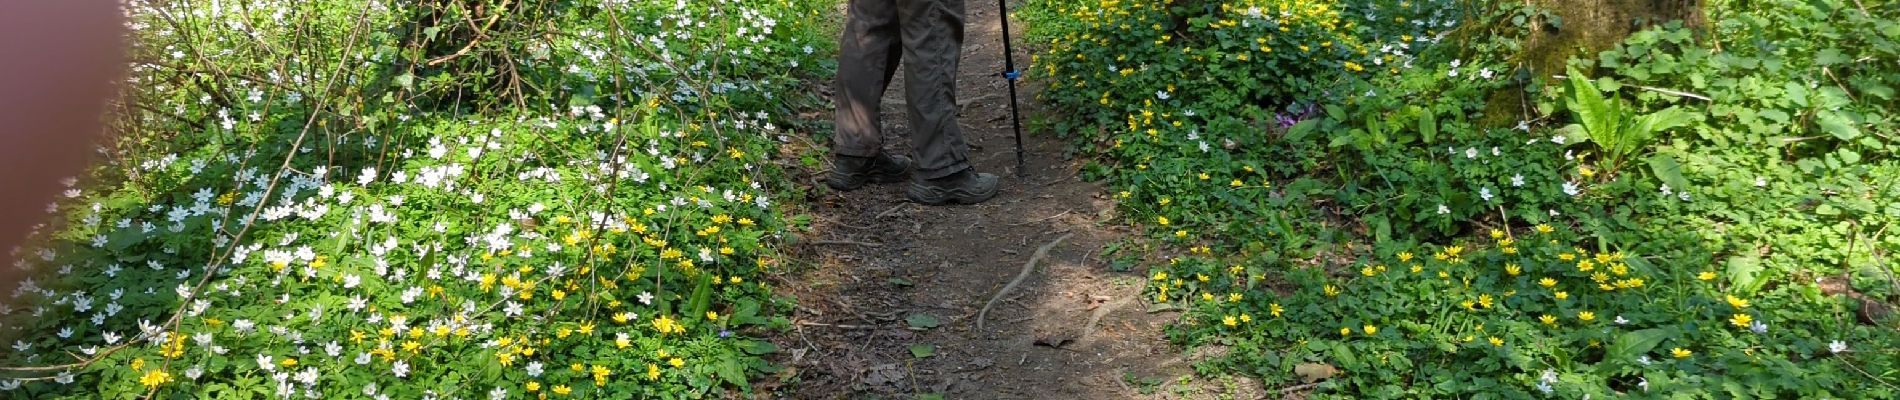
(888, 212)
(1299, 387)
(1027, 267)
(1064, 212)
(848, 242)
(839, 326)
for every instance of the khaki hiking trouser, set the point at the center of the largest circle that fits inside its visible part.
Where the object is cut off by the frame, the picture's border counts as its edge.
(928, 34)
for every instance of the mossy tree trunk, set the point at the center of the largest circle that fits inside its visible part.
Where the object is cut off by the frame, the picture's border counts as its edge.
(1590, 26)
(1586, 27)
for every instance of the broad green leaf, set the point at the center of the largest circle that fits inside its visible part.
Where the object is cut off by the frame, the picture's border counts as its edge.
(1667, 170)
(1838, 125)
(1633, 344)
(1744, 273)
(1428, 125)
(923, 350)
(1300, 130)
(921, 321)
(1595, 113)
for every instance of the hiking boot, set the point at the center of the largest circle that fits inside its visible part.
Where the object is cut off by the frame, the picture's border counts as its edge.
(965, 187)
(850, 173)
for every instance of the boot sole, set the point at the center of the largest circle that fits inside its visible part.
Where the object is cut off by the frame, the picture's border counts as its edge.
(854, 183)
(948, 197)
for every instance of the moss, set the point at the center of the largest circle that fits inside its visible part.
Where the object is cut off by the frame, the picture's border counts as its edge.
(1587, 27)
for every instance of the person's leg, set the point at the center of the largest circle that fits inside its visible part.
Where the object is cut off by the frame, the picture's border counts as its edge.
(868, 53)
(933, 42)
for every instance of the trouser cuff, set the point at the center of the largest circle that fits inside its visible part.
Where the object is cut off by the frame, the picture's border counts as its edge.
(935, 173)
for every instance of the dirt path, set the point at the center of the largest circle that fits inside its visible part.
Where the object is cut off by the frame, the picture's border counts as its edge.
(865, 305)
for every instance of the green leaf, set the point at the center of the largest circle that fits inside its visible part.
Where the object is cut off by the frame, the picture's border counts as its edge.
(1428, 125)
(1300, 130)
(1667, 170)
(921, 321)
(758, 347)
(923, 350)
(701, 299)
(1744, 273)
(1633, 344)
(1838, 125)
(730, 370)
(1595, 113)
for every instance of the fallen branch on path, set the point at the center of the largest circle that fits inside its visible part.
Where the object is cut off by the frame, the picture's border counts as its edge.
(848, 242)
(1064, 212)
(1088, 330)
(1029, 266)
(1299, 387)
(889, 211)
(839, 326)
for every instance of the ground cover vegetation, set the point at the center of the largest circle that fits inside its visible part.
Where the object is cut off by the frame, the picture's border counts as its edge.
(425, 199)
(1390, 199)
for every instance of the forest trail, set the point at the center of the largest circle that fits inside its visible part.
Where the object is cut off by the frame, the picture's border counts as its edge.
(889, 307)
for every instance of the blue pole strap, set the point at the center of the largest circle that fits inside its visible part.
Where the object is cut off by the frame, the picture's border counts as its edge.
(1013, 75)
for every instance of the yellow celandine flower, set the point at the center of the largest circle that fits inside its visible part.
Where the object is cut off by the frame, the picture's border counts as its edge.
(600, 375)
(1369, 329)
(1161, 220)
(587, 328)
(138, 364)
(289, 362)
(1485, 300)
(1706, 275)
(1207, 297)
(1741, 320)
(712, 315)
(1405, 257)
(623, 342)
(1513, 269)
(1244, 318)
(1586, 316)
(532, 386)
(653, 371)
(677, 362)
(1275, 309)
(1416, 268)
(1230, 321)
(1736, 302)
(155, 378)
(1347, 331)
(1681, 352)
(1368, 271)
(1497, 234)
(1330, 291)
(1544, 228)
(1233, 297)
(1495, 341)
(1160, 276)
(1562, 295)
(562, 390)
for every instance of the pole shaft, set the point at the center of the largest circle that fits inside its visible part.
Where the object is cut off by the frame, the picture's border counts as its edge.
(1010, 73)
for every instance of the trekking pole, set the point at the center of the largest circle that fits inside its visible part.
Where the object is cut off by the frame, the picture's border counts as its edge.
(1010, 73)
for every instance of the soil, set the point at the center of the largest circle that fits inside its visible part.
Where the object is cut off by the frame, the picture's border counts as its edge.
(877, 266)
